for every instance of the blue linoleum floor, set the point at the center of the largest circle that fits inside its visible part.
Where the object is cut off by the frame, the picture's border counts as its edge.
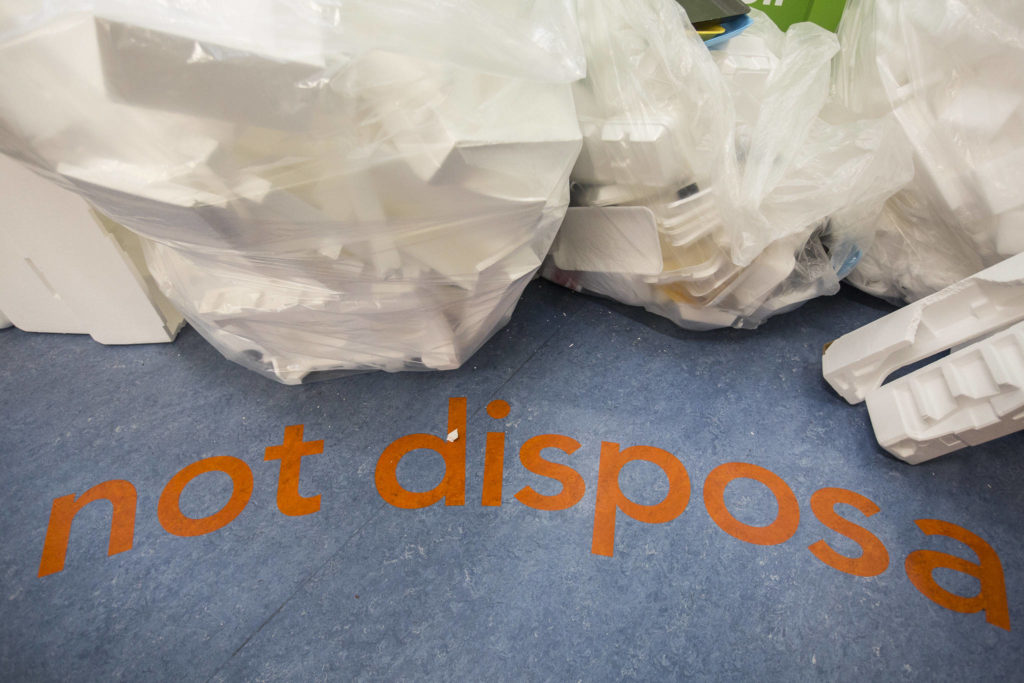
(361, 589)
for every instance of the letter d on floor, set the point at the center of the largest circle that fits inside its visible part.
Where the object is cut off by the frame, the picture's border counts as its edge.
(452, 488)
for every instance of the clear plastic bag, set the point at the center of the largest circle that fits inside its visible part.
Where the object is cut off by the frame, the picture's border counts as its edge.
(322, 186)
(952, 72)
(711, 188)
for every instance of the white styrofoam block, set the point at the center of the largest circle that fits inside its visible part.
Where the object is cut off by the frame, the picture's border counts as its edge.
(641, 152)
(481, 241)
(154, 67)
(268, 28)
(935, 158)
(857, 363)
(155, 182)
(702, 268)
(757, 281)
(77, 125)
(686, 220)
(968, 398)
(616, 239)
(68, 48)
(495, 135)
(1002, 181)
(981, 111)
(62, 271)
(1010, 233)
(245, 61)
(747, 64)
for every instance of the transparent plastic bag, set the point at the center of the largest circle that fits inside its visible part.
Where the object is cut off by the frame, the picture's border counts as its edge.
(322, 187)
(952, 72)
(711, 188)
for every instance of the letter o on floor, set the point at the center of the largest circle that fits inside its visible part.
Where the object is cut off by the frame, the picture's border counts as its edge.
(786, 522)
(169, 509)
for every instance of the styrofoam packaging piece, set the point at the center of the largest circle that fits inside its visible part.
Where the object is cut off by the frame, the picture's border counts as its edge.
(143, 66)
(632, 153)
(515, 123)
(142, 148)
(747, 64)
(62, 270)
(973, 396)
(683, 221)
(619, 239)
(857, 363)
(481, 242)
(5, 322)
(1010, 233)
(748, 292)
(268, 28)
(1001, 179)
(980, 109)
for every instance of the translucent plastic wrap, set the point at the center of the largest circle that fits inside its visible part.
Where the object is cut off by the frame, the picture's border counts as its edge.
(322, 186)
(952, 71)
(710, 188)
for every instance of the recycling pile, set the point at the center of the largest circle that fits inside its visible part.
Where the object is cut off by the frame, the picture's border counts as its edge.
(713, 188)
(321, 187)
(327, 187)
(952, 73)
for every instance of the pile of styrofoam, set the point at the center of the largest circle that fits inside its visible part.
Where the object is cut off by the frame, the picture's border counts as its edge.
(952, 73)
(314, 192)
(711, 189)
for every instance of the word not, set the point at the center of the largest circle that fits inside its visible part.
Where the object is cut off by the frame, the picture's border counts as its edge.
(122, 495)
(610, 500)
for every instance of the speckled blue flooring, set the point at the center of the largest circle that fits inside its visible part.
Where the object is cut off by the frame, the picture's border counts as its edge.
(361, 589)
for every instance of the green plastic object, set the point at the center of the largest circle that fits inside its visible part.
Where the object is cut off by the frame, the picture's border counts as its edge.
(825, 13)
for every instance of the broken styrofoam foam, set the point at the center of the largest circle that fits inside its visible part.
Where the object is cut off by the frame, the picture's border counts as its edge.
(973, 396)
(65, 269)
(858, 363)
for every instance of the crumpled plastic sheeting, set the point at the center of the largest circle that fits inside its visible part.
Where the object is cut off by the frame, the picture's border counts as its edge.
(322, 187)
(952, 71)
(711, 188)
